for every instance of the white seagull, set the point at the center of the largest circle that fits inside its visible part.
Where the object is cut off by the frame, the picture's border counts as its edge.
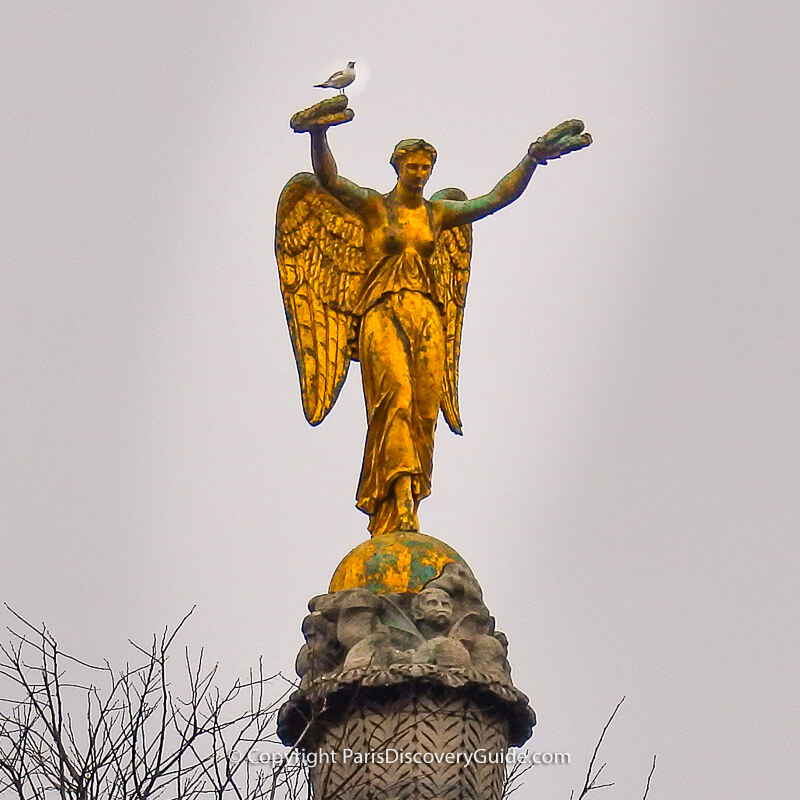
(344, 77)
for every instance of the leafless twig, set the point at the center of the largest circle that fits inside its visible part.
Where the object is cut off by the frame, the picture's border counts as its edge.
(592, 774)
(647, 787)
(74, 730)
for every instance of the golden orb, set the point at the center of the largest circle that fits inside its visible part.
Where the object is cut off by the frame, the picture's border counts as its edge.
(402, 561)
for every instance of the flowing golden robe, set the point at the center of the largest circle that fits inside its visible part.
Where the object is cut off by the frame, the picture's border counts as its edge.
(387, 290)
(401, 346)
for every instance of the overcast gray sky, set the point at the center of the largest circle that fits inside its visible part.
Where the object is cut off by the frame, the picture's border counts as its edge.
(626, 488)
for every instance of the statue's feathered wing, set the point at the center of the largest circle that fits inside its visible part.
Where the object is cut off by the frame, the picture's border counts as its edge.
(451, 262)
(319, 245)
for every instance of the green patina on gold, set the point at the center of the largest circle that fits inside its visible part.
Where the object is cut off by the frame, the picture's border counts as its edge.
(398, 562)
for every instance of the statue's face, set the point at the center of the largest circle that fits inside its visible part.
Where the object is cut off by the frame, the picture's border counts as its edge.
(434, 607)
(414, 170)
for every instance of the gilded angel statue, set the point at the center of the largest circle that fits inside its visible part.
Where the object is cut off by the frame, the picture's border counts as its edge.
(382, 279)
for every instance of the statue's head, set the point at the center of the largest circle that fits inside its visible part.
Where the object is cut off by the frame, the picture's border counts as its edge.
(413, 161)
(316, 628)
(434, 607)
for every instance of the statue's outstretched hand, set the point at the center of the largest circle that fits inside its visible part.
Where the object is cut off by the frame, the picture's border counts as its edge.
(564, 138)
(329, 112)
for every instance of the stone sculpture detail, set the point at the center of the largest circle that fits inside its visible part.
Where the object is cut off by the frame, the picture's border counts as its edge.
(411, 672)
(446, 625)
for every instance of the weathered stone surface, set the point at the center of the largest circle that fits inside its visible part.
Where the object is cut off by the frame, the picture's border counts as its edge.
(414, 744)
(423, 673)
(445, 625)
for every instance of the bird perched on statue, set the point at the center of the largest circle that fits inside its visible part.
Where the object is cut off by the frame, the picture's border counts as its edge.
(344, 77)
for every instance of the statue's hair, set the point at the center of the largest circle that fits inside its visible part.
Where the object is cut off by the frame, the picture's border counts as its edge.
(408, 146)
(415, 603)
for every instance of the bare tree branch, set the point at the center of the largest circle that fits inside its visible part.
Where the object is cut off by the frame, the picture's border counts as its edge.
(160, 728)
(141, 735)
(647, 787)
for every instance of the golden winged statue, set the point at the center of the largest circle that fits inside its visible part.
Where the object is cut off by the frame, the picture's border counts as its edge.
(382, 279)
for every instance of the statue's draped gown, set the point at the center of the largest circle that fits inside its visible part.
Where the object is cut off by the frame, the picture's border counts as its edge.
(401, 348)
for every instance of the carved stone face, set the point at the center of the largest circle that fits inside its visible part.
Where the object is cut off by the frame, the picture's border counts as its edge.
(434, 607)
(315, 628)
(414, 170)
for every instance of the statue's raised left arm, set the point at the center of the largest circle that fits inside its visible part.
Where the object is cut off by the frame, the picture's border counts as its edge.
(562, 139)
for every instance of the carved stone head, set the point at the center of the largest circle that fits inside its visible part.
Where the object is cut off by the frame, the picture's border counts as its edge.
(432, 609)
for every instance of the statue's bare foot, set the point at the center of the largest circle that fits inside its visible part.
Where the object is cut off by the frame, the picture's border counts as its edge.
(404, 497)
(408, 522)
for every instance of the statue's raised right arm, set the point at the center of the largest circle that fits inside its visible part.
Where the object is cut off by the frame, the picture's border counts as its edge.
(353, 196)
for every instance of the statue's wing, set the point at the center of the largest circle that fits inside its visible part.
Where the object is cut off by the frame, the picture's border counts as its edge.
(451, 265)
(319, 245)
(399, 623)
